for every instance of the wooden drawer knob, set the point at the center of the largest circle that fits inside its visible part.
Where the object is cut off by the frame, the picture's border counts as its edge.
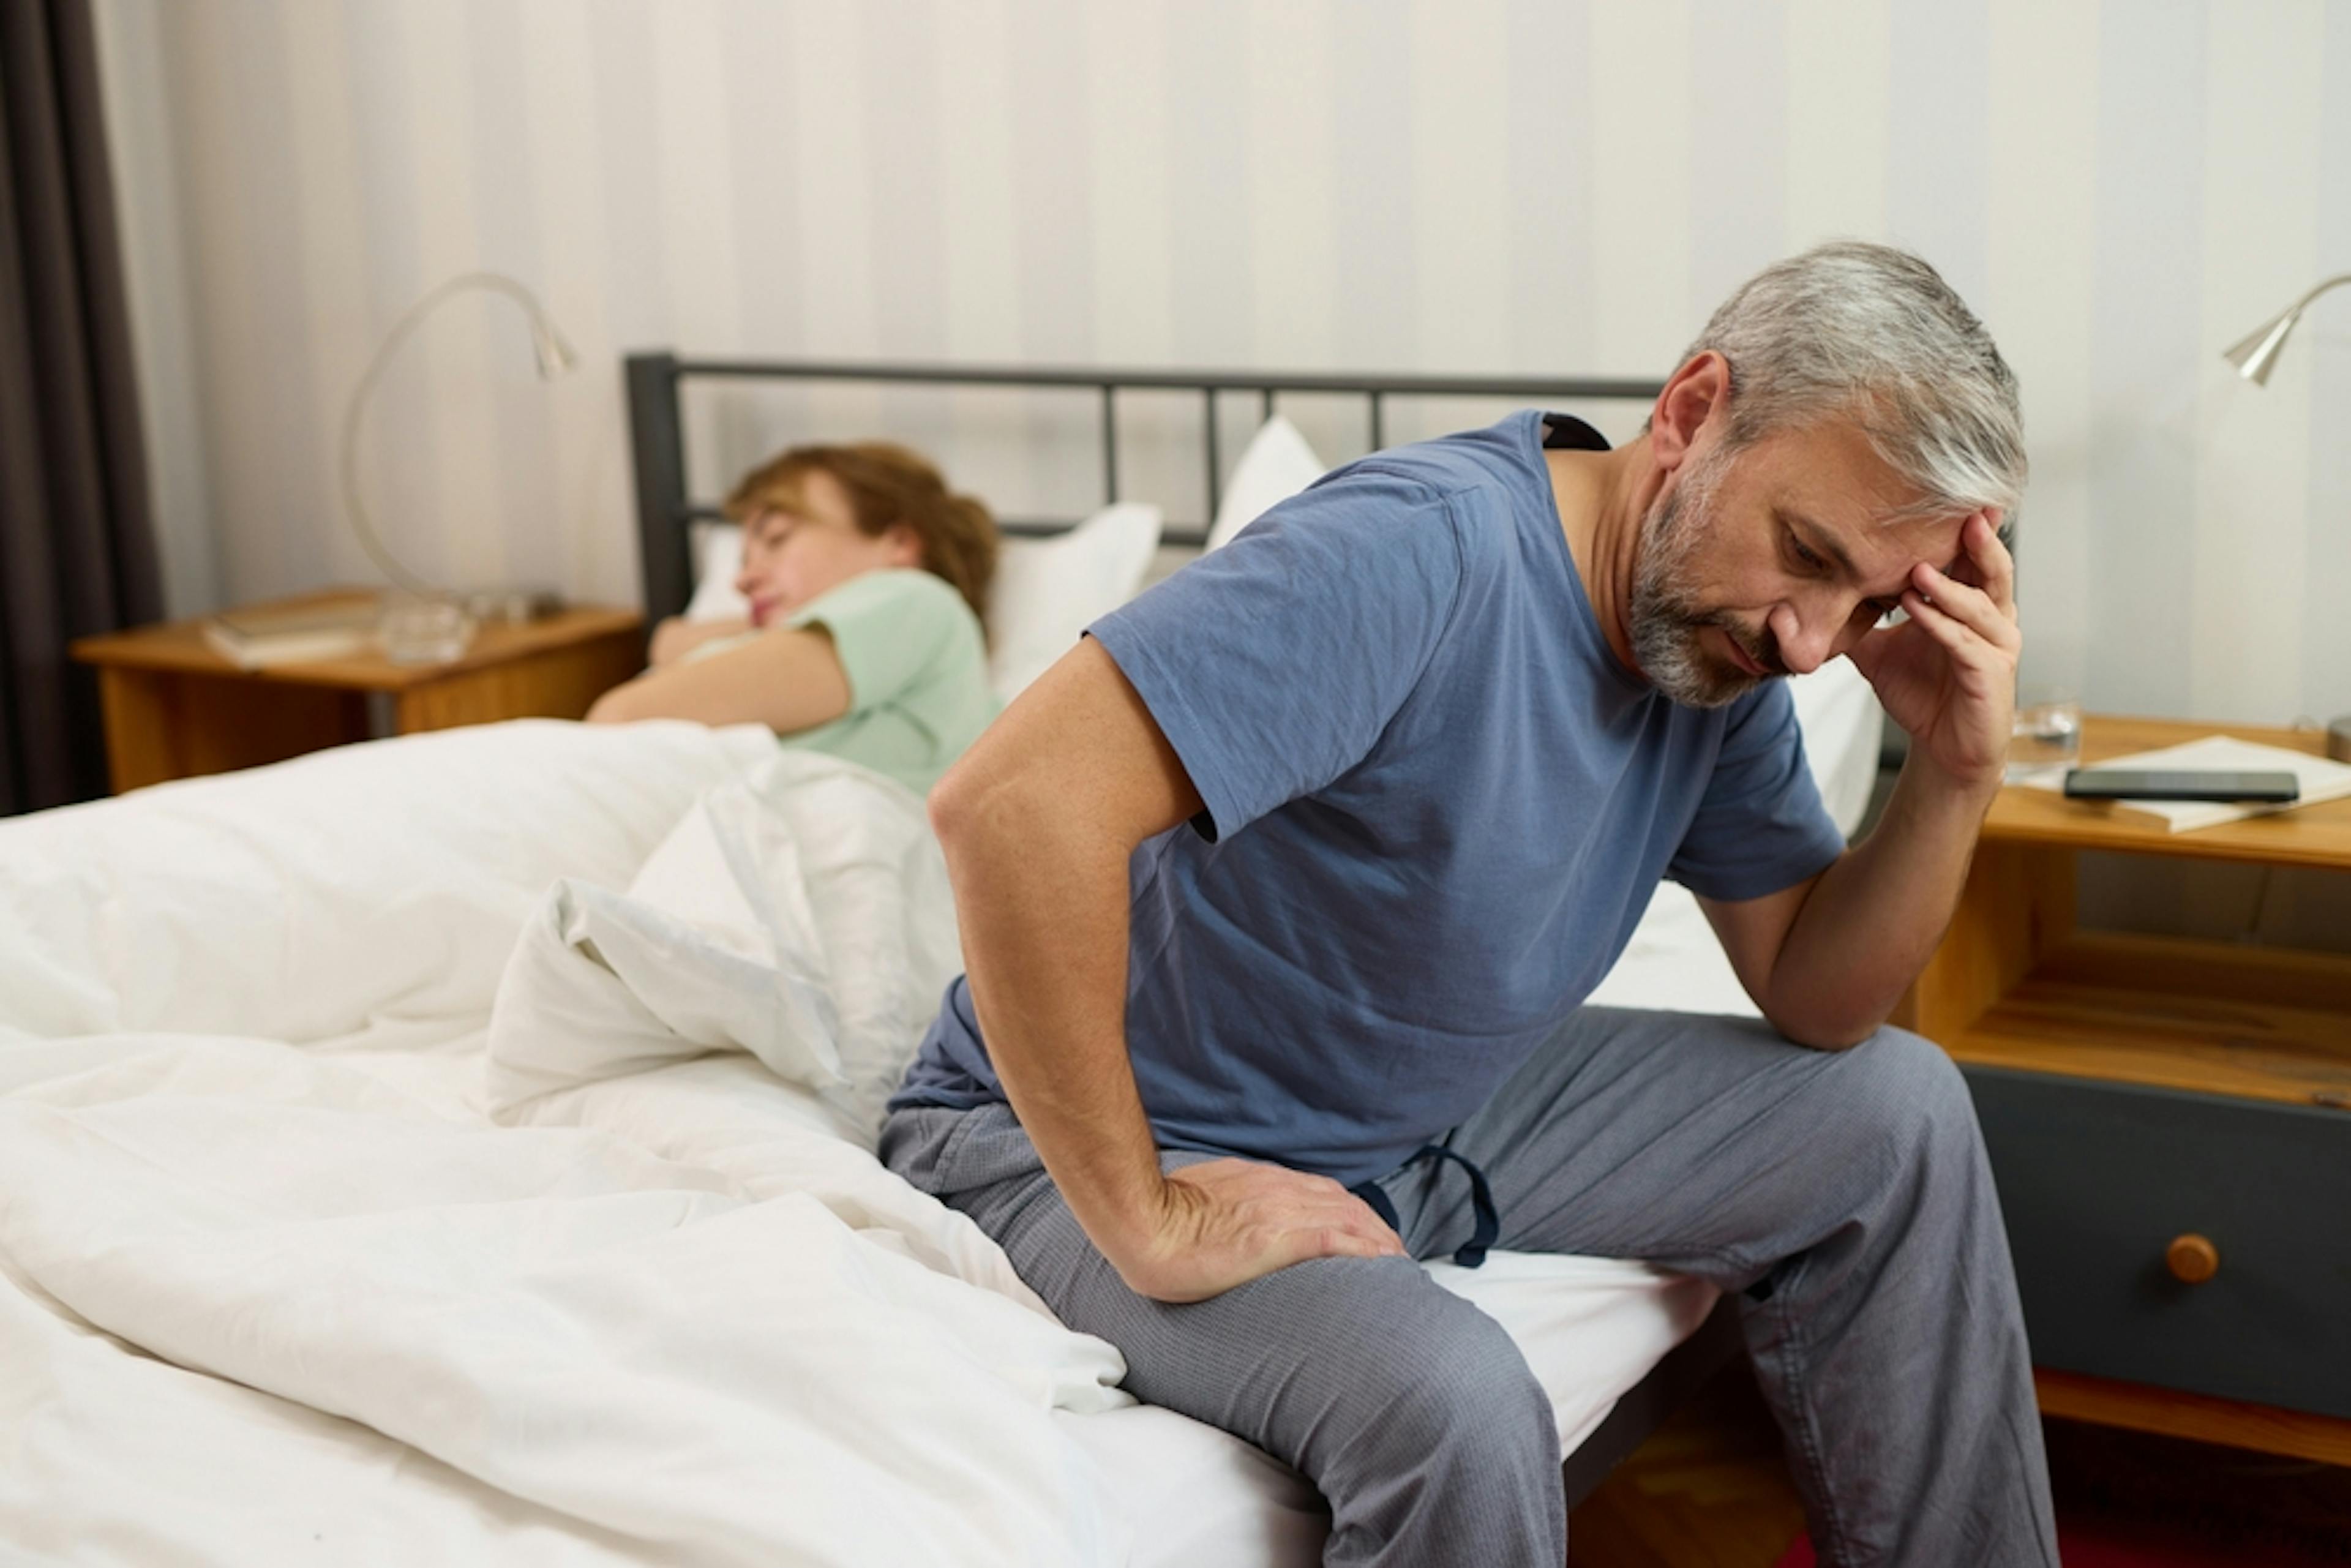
(2191, 1259)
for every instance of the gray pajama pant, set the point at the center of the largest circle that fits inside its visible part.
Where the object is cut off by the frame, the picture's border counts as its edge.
(1845, 1195)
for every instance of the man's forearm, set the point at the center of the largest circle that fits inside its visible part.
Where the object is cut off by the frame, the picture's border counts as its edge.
(1874, 919)
(1041, 900)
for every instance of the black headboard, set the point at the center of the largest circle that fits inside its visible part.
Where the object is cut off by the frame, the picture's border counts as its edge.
(665, 512)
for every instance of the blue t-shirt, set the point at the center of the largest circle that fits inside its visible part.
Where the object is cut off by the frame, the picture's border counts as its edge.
(1436, 806)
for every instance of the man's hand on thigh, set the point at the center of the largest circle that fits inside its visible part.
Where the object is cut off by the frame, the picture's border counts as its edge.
(1225, 1222)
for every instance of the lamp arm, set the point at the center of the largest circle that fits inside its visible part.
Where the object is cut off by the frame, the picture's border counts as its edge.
(349, 465)
(2336, 282)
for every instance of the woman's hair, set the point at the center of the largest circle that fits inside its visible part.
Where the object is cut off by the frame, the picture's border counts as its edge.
(887, 485)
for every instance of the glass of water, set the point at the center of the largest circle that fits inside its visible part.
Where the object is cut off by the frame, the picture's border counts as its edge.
(2047, 736)
(418, 629)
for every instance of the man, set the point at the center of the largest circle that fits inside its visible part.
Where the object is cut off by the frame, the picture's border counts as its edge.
(1280, 893)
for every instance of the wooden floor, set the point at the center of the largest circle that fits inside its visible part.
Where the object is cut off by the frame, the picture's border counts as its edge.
(1708, 1490)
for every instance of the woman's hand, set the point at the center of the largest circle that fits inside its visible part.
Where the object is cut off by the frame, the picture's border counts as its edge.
(1225, 1222)
(1947, 675)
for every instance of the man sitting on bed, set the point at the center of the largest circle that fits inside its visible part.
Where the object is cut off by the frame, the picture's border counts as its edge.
(1281, 891)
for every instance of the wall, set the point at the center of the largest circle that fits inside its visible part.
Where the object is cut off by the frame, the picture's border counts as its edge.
(1537, 185)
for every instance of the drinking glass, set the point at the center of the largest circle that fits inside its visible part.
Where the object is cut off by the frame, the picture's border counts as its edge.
(2046, 739)
(416, 628)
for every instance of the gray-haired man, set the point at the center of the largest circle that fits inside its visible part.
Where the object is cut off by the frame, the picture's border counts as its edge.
(1280, 893)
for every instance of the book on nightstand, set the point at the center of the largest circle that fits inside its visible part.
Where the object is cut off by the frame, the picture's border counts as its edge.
(2320, 780)
(257, 639)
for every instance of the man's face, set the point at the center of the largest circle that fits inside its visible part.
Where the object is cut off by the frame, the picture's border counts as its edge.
(1772, 560)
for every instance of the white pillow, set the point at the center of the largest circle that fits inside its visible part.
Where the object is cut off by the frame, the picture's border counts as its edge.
(1048, 590)
(717, 556)
(1277, 466)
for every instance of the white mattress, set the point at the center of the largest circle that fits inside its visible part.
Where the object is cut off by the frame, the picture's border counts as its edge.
(205, 1360)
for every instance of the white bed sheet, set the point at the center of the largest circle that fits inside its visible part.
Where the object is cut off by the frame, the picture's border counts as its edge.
(352, 911)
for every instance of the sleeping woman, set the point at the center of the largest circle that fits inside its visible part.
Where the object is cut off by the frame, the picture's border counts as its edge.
(867, 581)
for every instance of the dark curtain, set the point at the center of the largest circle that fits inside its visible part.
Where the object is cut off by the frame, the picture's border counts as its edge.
(76, 545)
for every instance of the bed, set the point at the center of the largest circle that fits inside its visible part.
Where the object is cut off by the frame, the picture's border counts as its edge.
(457, 1147)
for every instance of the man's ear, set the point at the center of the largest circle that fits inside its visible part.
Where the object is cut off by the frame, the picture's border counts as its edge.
(1698, 391)
(906, 545)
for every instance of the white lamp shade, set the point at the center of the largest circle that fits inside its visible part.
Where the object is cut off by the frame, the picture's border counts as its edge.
(2258, 352)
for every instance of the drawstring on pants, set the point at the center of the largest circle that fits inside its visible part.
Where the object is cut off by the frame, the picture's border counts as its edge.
(1481, 1205)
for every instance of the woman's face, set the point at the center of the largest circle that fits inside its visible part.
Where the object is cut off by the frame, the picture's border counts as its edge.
(791, 556)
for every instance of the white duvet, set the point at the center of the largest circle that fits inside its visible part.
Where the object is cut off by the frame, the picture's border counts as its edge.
(665, 1312)
(458, 1148)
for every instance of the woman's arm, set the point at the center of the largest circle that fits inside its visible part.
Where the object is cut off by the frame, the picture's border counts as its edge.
(787, 678)
(676, 637)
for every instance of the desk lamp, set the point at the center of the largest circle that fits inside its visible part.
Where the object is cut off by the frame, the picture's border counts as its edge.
(2253, 358)
(555, 358)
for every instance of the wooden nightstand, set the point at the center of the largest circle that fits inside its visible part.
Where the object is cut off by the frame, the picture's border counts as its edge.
(2156, 1106)
(176, 708)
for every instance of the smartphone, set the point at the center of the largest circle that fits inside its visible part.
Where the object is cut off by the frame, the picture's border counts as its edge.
(2168, 784)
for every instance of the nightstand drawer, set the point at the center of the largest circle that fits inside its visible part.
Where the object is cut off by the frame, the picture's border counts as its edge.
(2098, 1180)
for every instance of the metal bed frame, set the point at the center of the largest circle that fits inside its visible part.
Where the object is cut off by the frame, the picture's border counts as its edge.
(666, 513)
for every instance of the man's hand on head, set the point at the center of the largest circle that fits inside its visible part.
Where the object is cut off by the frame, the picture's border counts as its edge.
(1948, 674)
(1225, 1222)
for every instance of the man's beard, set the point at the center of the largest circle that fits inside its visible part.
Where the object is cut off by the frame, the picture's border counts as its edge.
(1664, 619)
